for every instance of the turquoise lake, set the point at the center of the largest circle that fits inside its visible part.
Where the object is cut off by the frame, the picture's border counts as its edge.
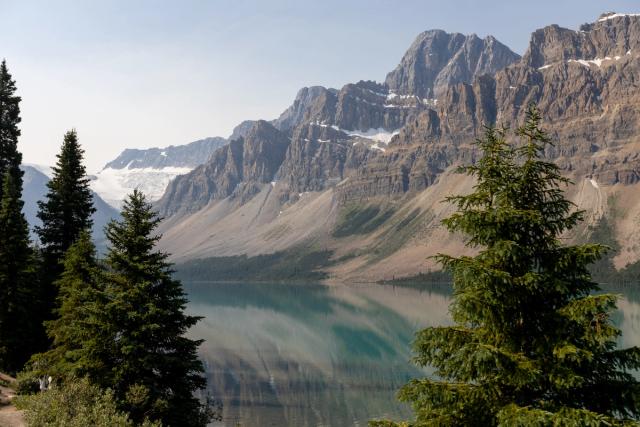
(313, 355)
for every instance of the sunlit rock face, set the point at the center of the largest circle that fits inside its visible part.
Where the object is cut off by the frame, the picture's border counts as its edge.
(396, 145)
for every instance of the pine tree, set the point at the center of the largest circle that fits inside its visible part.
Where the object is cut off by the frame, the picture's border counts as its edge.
(153, 368)
(65, 214)
(79, 339)
(532, 344)
(68, 207)
(10, 157)
(18, 284)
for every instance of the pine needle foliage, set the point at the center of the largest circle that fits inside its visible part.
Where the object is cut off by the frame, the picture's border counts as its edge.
(20, 299)
(153, 368)
(66, 211)
(10, 157)
(79, 343)
(532, 342)
(19, 290)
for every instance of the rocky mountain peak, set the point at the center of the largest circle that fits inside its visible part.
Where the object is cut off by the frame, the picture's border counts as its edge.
(437, 59)
(241, 130)
(305, 99)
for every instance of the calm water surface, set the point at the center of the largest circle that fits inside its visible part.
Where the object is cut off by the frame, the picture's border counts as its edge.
(311, 355)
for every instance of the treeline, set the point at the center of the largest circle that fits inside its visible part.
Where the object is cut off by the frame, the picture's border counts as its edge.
(290, 265)
(68, 318)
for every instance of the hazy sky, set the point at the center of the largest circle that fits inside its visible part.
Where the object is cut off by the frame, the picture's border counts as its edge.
(139, 73)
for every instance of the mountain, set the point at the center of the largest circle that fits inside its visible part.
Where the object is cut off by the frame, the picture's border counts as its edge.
(150, 170)
(236, 169)
(365, 168)
(35, 189)
(437, 60)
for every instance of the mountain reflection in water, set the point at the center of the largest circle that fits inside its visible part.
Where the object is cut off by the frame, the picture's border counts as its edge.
(313, 355)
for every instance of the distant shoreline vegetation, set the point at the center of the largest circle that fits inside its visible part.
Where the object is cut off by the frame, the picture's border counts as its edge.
(305, 264)
(290, 265)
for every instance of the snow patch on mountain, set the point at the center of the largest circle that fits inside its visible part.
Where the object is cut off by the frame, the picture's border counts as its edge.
(596, 61)
(113, 185)
(379, 134)
(588, 62)
(617, 15)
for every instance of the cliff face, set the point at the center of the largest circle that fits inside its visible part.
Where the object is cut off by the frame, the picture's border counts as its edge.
(391, 146)
(584, 82)
(437, 59)
(232, 171)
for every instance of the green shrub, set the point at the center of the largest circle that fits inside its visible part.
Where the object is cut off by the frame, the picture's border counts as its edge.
(26, 383)
(74, 404)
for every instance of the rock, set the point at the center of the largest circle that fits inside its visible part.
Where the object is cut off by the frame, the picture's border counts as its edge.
(585, 84)
(300, 109)
(188, 155)
(252, 159)
(241, 130)
(437, 59)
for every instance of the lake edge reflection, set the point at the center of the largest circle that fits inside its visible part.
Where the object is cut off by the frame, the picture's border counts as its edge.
(309, 354)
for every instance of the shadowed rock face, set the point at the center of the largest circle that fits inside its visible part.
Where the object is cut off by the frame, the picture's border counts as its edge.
(437, 59)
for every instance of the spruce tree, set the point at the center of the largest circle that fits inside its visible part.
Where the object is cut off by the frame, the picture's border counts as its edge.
(18, 284)
(10, 157)
(153, 368)
(65, 214)
(79, 339)
(66, 211)
(533, 343)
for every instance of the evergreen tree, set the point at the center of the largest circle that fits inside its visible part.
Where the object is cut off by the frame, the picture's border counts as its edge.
(10, 157)
(65, 214)
(18, 285)
(153, 369)
(78, 336)
(68, 207)
(532, 344)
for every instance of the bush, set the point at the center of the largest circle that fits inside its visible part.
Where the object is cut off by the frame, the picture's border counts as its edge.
(26, 383)
(75, 403)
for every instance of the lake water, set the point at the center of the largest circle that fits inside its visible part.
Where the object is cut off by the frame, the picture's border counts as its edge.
(312, 355)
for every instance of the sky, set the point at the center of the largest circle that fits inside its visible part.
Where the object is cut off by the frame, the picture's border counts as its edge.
(153, 73)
